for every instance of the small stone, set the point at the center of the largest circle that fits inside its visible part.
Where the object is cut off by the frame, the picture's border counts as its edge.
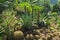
(37, 36)
(29, 37)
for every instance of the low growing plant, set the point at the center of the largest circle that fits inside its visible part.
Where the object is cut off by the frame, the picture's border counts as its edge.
(27, 21)
(9, 20)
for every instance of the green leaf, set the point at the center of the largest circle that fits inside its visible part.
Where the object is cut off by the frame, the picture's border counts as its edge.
(27, 21)
(2, 1)
(27, 5)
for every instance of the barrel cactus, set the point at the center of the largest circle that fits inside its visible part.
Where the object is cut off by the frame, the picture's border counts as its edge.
(18, 35)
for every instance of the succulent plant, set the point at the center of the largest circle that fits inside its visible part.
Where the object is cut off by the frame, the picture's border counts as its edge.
(18, 35)
(27, 21)
(8, 16)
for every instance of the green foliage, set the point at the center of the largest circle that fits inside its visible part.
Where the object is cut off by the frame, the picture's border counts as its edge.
(39, 7)
(9, 21)
(9, 17)
(26, 5)
(39, 10)
(0, 19)
(1, 30)
(27, 21)
(2, 1)
(0, 38)
(58, 21)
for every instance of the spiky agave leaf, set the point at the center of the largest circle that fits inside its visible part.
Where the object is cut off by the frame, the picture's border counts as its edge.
(27, 21)
(9, 17)
(9, 20)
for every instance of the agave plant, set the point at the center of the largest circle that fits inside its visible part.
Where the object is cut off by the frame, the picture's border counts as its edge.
(26, 21)
(9, 17)
(9, 20)
(52, 20)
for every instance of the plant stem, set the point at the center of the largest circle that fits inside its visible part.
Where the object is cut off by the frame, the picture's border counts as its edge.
(38, 17)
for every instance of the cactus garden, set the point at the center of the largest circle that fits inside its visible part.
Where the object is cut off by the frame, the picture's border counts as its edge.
(29, 20)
